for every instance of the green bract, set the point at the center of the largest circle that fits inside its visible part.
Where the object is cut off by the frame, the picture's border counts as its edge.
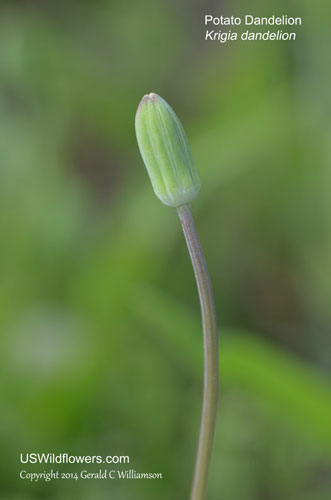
(166, 152)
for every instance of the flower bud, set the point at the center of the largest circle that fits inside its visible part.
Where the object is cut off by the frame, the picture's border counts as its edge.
(166, 152)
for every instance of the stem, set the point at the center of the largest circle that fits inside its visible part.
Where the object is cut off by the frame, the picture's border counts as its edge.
(210, 386)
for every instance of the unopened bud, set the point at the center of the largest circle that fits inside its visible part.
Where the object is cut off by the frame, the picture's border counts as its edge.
(166, 152)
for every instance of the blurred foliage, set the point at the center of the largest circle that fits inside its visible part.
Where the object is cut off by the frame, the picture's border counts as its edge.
(100, 336)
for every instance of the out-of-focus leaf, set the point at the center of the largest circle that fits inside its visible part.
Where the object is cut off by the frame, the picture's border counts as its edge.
(295, 392)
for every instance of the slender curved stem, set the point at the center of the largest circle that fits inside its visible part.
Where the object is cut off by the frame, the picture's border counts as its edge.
(210, 387)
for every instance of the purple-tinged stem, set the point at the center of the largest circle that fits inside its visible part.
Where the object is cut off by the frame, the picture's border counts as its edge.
(210, 386)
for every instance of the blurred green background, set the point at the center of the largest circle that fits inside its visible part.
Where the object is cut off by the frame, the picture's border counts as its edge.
(101, 348)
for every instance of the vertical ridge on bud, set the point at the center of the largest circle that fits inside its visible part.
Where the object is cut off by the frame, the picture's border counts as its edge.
(166, 152)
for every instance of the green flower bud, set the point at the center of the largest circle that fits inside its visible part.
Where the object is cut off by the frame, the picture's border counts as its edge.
(166, 152)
